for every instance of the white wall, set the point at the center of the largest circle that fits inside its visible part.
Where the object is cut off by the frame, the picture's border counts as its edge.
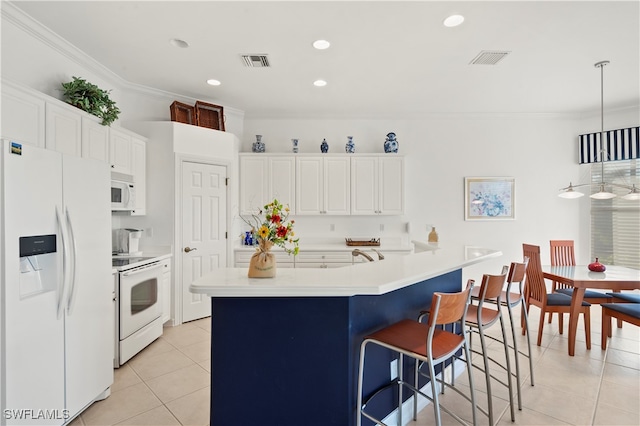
(540, 151)
(36, 57)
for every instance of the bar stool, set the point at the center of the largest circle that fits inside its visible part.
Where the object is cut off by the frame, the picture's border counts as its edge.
(428, 345)
(510, 299)
(478, 319)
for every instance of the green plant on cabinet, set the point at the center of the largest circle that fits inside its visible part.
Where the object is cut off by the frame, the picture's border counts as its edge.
(92, 99)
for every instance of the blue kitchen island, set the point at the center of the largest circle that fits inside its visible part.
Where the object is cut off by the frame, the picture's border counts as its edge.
(284, 351)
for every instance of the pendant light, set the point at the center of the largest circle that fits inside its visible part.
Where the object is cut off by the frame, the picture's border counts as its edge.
(602, 193)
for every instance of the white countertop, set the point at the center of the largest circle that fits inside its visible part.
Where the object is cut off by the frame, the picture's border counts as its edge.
(372, 278)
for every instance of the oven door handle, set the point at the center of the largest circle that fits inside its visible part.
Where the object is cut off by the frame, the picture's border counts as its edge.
(141, 269)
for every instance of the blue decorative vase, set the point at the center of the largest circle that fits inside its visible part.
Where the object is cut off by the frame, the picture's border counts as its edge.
(324, 146)
(294, 142)
(350, 147)
(258, 145)
(391, 144)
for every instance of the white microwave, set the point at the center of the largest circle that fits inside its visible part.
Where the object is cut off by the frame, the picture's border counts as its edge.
(123, 192)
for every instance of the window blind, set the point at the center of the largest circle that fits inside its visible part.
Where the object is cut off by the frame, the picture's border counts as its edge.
(615, 223)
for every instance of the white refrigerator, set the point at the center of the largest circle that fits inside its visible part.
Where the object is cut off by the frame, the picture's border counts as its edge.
(56, 295)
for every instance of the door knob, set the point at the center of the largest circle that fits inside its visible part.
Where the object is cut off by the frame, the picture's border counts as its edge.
(188, 249)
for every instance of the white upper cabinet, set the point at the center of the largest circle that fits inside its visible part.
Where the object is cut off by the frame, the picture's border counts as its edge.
(95, 140)
(281, 184)
(263, 178)
(377, 185)
(23, 116)
(322, 185)
(253, 184)
(139, 172)
(63, 129)
(120, 151)
(350, 184)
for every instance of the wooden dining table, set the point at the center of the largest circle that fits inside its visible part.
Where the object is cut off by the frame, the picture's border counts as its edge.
(580, 278)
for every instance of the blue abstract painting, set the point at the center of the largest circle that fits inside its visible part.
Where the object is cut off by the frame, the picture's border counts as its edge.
(489, 198)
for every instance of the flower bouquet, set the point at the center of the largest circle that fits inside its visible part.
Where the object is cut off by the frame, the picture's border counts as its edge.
(271, 227)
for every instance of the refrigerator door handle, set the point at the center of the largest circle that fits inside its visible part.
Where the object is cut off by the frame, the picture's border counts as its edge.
(74, 270)
(62, 284)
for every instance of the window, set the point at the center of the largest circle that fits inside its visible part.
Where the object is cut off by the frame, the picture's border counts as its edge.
(615, 223)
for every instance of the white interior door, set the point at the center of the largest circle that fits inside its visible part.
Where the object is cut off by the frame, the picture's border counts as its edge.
(204, 219)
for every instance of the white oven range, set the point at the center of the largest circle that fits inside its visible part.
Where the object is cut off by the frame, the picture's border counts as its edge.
(138, 305)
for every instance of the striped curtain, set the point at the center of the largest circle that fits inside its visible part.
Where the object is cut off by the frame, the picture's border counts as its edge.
(620, 144)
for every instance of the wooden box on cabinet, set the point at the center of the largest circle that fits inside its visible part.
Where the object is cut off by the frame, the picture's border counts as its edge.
(183, 113)
(210, 116)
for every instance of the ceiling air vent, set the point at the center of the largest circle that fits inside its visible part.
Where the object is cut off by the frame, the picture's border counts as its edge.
(255, 61)
(489, 57)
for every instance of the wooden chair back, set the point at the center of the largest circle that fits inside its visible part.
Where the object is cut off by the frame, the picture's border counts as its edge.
(517, 274)
(562, 253)
(536, 288)
(491, 287)
(450, 307)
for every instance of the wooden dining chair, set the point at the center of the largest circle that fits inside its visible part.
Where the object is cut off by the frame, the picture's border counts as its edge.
(629, 312)
(562, 254)
(537, 295)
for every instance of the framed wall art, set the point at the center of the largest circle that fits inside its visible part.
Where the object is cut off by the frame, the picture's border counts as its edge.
(489, 198)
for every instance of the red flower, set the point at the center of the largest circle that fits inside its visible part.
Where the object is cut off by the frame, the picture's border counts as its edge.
(281, 232)
(276, 218)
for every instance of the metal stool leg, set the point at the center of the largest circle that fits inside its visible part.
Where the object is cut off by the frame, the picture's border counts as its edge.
(516, 353)
(360, 378)
(509, 377)
(485, 360)
(525, 320)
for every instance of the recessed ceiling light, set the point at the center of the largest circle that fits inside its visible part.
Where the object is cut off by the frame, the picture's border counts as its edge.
(320, 83)
(179, 43)
(453, 21)
(321, 44)
(213, 82)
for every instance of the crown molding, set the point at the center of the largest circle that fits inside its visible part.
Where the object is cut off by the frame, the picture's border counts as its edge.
(11, 13)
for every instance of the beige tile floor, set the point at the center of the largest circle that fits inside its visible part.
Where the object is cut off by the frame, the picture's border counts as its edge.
(168, 382)
(165, 384)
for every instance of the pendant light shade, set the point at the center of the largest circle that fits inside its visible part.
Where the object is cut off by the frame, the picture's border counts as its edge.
(633, 195)
(569, 192)
(602, 193)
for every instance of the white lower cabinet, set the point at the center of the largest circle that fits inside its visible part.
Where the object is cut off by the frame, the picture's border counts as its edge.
(166, 290)
(314, 259)
(243, 257)
(325, 259)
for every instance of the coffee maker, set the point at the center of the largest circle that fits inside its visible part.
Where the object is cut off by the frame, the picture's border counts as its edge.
(126, 241)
